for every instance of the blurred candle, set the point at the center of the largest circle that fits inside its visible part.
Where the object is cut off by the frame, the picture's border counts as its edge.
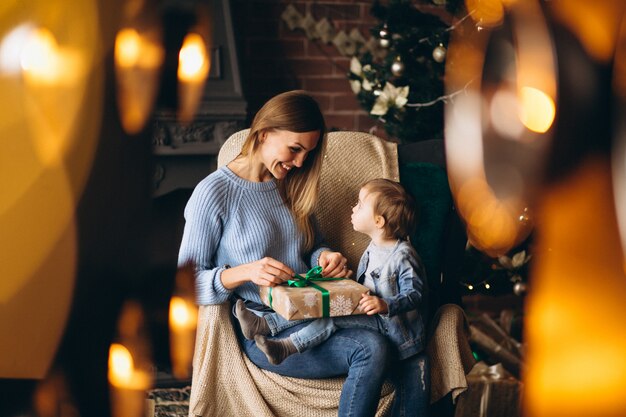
(193, 69)
(183, 318)
(138, 60)
(130, 369)
(122, 371)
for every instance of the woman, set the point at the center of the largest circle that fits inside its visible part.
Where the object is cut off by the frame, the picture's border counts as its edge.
(250, 224)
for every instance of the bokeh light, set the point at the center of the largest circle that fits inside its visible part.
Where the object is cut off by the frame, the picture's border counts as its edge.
(138, 62)
(193, 59)
(537, 109)
(486, 13)
(194, 63)
(50, 114)
(494, 142)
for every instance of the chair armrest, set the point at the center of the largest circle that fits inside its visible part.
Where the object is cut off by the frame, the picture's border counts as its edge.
(450, 353)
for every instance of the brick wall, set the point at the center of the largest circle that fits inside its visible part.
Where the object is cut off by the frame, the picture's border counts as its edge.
(274, 58)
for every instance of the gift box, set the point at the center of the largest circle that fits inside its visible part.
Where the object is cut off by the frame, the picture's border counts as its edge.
(491, 392)
(495, 345)
(313, 296)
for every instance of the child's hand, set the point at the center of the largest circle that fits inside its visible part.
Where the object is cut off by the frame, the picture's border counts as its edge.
(370, 305)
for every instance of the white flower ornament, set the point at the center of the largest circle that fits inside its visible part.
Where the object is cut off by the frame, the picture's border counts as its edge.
(391, 96)
(355, 67)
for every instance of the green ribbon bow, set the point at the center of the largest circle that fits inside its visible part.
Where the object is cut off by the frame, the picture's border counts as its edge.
(314, 274)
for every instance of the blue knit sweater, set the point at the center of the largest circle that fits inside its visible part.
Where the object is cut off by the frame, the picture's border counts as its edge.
(233, 221)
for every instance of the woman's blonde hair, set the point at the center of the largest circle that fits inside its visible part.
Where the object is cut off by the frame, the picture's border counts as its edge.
(395, 205)
(294, 111)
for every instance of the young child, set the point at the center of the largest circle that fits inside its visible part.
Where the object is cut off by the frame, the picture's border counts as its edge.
(389, 267)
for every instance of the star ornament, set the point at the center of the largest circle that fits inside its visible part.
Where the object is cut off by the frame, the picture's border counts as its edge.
(391, 96)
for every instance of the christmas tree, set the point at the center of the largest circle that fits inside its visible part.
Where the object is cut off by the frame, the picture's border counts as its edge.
(500, 275)
(403, 84)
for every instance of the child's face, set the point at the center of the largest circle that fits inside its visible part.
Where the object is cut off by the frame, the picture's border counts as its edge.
(363, 216)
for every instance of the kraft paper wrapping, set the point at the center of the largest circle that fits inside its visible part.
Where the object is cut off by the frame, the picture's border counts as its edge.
(295, 303)
(492, 392)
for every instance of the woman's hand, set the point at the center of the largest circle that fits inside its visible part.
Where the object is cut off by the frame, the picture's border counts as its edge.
(334, 264)
(370, 305)
(266, 272)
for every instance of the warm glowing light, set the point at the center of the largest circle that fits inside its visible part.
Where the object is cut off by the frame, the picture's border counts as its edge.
(492, 224)
(138, 60)
(487, 286)
(183, 322)
(193, 70)
(128, 384)
(121, 365)
(40, 55)
(537, 109)
(486, 12)
(12, 47)
(193, 62)
(127, 47)
(134, 49)
(50, 119)
(122, 371)
(576, 364)
(182, 316)
(594, 23)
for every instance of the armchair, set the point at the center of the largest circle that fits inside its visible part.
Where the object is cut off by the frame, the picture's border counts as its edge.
(225, 382)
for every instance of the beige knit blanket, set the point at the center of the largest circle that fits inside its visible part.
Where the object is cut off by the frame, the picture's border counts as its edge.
(225, 382)
(450, 354)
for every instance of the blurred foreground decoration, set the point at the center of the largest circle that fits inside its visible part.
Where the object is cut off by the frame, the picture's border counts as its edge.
(76, 190)
(50, 115)
(496, 139)
(563, 177)
(576, 306)
(618, 161)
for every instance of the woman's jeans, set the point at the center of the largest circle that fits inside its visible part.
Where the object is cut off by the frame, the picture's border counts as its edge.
(360, 354)
(411, 379)
(411, 376)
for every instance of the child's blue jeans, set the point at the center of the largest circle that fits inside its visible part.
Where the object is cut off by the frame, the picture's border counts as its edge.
(319, 330)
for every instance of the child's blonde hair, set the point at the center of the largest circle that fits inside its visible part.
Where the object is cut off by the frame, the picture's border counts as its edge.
(294, 111)
(395, 205)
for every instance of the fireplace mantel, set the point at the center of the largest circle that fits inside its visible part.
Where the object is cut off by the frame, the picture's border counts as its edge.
(184, 154)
